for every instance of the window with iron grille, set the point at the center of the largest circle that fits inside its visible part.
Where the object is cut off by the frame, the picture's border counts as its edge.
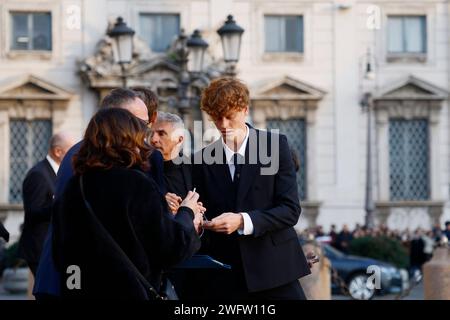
(159, 30)
(283, 33)
(31, 31)
(407, 34)
(295, 131)
(28, 145)
(408, 159)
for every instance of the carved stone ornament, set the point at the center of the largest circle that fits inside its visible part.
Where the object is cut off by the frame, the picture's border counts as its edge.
(410, 98)
(158, 71)
(284, 98)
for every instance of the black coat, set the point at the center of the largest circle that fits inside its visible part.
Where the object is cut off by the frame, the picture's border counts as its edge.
(4, 233)
(37, 190)
(178, 177)
(271, 256)
(130, 207)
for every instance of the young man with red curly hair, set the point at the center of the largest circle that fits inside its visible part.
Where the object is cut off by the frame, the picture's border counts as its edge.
(247, 181)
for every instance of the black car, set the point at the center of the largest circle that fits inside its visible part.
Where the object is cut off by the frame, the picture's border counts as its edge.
(354, 272)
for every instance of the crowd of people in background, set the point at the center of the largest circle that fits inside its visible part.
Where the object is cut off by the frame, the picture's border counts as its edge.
(420, 243)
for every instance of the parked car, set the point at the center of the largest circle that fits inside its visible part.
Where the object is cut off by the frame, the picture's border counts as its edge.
(353, 270)
(15, 280)
(14, 271)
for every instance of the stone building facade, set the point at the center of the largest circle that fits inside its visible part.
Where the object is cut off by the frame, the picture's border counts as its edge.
(306, 64)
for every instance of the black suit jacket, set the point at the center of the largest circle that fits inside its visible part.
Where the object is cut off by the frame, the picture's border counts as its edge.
(182, 184)
(4, 233)
(131, 208)
(272, 255)
(38, 189)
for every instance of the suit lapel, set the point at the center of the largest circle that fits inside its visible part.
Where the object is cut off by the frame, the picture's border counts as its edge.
(250, 169)
(219, 171)
(50, 175)
(50, 171)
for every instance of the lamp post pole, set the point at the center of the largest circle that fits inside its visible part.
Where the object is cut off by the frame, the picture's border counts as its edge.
(367, 104)
(182, 54)
(231, 35)
(123, 74)
(369, 203)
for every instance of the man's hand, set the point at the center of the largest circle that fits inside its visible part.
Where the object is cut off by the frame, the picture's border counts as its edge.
(173, 201)
(198, 222)
(227, 222)
(198, 219)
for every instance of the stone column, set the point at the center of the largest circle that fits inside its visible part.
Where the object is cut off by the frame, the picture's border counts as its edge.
(30, 286)
(436, 275)
(317, 285)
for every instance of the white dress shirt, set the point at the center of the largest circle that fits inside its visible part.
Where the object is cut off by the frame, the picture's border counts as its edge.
(53, 164)
(248, 224)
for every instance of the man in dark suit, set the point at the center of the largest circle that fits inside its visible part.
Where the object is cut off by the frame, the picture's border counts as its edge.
(38, 190)
(247, 182)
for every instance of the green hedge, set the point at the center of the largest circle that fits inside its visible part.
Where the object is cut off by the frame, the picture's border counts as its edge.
(381, 248)
(12, 259)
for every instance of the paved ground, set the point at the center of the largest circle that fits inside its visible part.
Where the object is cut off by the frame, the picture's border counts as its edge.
(416, 293)
(4, 295)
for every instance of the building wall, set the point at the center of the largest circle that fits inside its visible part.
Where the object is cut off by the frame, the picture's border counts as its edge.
(335, 45)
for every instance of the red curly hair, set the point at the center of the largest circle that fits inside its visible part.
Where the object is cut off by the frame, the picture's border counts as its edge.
(224, 96)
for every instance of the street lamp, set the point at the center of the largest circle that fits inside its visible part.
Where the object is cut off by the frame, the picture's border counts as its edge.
(190, 53)
(231, 35)
(197, 47)
(367, 105)
(122, 36)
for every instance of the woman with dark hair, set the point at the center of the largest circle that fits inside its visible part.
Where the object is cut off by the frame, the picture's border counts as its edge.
(113, 235)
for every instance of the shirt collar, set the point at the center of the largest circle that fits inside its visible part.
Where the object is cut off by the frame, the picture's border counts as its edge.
(229, 153)
(53, 164)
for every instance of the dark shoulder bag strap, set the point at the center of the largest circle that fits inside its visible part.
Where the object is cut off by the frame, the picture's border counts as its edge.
(124, 256)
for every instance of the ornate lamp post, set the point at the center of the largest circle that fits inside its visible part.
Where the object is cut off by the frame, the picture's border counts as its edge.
(367, 105)
(190, 53)
(122, 45)
(195, 47)
(231, 35)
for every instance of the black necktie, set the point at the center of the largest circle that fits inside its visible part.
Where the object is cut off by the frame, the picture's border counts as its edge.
(238, 160)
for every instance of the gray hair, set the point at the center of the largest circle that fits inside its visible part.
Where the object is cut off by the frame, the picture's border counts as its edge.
(171, 118)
